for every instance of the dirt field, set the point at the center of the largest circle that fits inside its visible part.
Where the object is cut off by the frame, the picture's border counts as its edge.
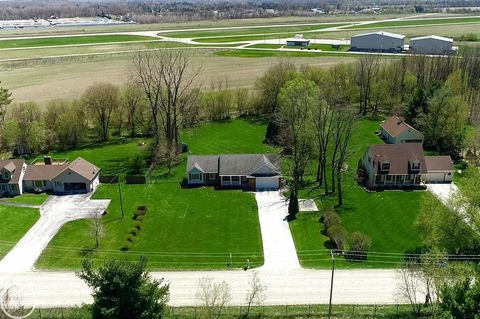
(43, 81)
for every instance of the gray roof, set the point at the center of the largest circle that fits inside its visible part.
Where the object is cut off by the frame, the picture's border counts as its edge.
(234, 164)
(14, 166)
(435, 37)
(382, 33)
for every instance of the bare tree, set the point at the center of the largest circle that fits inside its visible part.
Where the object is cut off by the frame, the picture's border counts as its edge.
(409, 286)
(168, 79)
(322, 118)
(214, 296)
(367, 68)
(102, 99)
(96, 227)
(133, 103)
(11, 306)
(256, 294)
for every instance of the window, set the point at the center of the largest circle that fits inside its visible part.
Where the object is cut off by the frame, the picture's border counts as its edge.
(211, 176)
(38, 184)
(4, 188)
(12, 187)
(225, 178)
(389, 178)
(235, 179)
(378, 179)
(6, 175)
(385, 166)
(195, 177)
(416, 166)
(59, 183)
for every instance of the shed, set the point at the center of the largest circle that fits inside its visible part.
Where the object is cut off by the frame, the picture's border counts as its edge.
(378, 42)
(431, 44)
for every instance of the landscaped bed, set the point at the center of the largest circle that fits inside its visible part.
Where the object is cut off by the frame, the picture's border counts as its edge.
(16, 221)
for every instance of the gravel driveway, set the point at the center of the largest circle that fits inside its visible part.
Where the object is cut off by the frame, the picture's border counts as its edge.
(54, 213)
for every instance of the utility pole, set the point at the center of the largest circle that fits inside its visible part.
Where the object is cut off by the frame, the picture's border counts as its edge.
(331, 286)
(121, 198)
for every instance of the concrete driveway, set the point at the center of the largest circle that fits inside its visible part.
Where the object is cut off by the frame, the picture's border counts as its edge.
(443, 191)
(54, 213)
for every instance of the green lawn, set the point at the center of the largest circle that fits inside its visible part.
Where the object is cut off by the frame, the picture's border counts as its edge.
(70, 40)
(266, 46)
(16, 221)
(114, 157)
(30, 199)
(424, 22)
(250, 31)
(239, 53)
(388, 218)
(184, 228)
(328, 47)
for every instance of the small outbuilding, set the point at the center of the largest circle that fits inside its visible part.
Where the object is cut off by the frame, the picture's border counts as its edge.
(440, 169)
(298, 41)
(431, 44)
(395, 130)
(378, 42)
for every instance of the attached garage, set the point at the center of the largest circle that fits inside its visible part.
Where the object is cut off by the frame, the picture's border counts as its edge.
(263, 183)
(440, 169)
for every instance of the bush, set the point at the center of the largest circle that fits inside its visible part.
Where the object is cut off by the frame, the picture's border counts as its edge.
(133, 231)
(359, 244)
(129, 237)
(330, 219)
(127, 245)
(137, 224)
(337, 235)
(139, 218)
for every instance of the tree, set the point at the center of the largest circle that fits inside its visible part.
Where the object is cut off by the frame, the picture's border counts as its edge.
(269, 87)
(256, 294)
(367, 69)
(96, 227)
(66, 124)
(5, 100)
(214, 297)
(409, 286)
(133, 101)
(358, 246)
(323, 119)
(344, 122)
(297, 100)
(462, 300)
(102, 100)
(168, 79)
(125, 290)
(337, 235)
(330, 218)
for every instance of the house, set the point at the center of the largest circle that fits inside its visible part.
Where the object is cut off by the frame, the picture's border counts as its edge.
(404, 166)
(394, 165)
(431, 44)
(298, 41)
(79, 176)
(395, 130)
(377, 42)
(440, 169)
(12, 172)
(247, 171)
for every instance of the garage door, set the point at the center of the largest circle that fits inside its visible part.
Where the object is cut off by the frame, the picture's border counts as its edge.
(436, 177)
(266, 183)
(76, 187)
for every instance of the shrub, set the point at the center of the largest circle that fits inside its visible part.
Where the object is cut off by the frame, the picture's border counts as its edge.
(126, 246)
(129, 237)
(359, 244)
(137, 224)
(139, 213)
(139, 218)
(133, 231)
(330, 219)
(337, 235)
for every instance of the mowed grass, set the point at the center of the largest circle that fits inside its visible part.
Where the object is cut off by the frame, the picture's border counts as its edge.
(423, 22)
(29, 199)
(252, 53)
(16, 221)
(250, 31)
(388, 218)
(70, 40)
(114, 157)
(184, 228)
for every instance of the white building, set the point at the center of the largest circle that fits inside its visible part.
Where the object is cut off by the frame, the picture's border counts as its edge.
(431, 44)
(378, 42)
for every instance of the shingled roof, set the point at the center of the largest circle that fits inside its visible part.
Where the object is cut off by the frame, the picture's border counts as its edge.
(49, 172)
(12, 165)
(439, 163)
(395, 126)
(233, 164)
(400, 157)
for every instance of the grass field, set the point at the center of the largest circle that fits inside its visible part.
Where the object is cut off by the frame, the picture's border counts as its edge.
(423, 22)
(388, 218)
(72, 40)
(271, 53)
(184, 228)
(16, 221)
(30, 199)
(250, 31)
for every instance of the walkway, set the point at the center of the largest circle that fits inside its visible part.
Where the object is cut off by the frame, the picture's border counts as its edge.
(54, 213)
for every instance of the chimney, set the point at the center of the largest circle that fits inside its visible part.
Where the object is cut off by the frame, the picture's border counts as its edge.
(47, 160)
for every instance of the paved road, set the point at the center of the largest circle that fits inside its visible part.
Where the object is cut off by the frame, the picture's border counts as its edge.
(303, 286)
(54, 213)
